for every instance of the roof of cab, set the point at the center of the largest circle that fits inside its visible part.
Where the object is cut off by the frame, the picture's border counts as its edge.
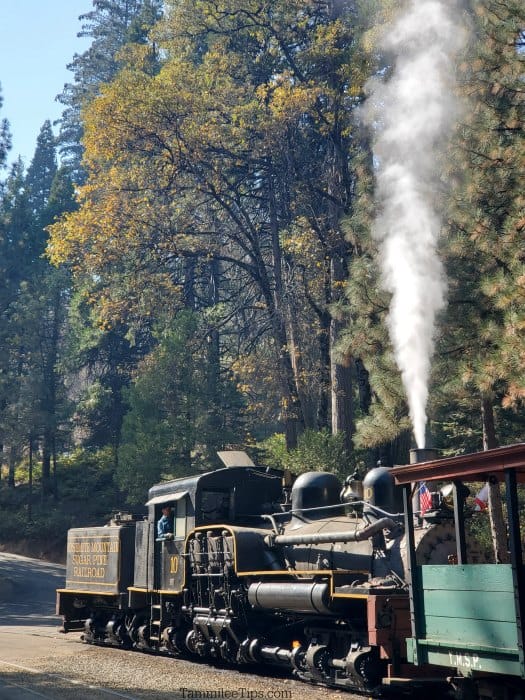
(476, 466)
(217, 478)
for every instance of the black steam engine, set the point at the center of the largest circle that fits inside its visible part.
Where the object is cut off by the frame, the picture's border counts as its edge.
(310, 576)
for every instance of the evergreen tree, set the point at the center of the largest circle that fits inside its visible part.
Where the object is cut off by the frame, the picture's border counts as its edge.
(102, 360)
(15, 260)
(5, 136)
(477, 378)
(111, 24)
(484, 335)
(167, 431)
(34, 304)
(41, 173)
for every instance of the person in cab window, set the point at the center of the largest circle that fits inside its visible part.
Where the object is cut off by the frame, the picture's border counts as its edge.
(165, 524)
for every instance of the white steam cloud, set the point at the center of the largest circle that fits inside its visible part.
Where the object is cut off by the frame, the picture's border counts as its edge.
(413, 111)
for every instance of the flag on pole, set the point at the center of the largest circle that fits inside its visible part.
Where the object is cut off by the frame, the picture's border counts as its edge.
(425, 499)
(481, 499)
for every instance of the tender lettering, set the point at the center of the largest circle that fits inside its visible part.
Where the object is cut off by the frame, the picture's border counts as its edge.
(79, 547)
(89, 571)
(464, 660)
(90, 557)
(110, 547)
(81, 558)
(94, 546)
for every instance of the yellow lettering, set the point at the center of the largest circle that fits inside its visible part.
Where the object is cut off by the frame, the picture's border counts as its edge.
(90, 556)
(89, 571)
(104, 547)
(81, 559)
(174, 564)
(100, 559)
(78, 547)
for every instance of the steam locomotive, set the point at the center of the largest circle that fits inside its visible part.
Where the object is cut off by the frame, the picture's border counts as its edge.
(310, 575)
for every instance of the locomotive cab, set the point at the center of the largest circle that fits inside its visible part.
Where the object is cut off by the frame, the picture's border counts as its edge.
(230, 496)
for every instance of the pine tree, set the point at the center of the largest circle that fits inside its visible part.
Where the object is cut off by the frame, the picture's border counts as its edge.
(478, 366)
(5, 136)
(41, 172)
(485, 334)
(111, 24)
(15, 258)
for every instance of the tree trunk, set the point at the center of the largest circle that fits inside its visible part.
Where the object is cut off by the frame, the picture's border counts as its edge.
(363, 384)
(213, 364)
(291, 414)
(340, 371)
(49, 398)
(47, 441)
(12, 466)
(189, 283)
(291, 409)
(323, 411)
(55, 474)
(497, 522)
(30, 500)
(296, 356)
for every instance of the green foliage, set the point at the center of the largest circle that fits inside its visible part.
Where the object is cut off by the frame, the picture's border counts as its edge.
(106, 357)
(316, 451)
(479, 342)
(111, 24)
(41, 173)
(87, 491)
(172, 416)
(206, 246)
(89, 472)
(47, 525)
(5, 136)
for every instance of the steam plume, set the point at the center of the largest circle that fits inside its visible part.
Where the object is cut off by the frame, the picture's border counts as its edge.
(412, 112)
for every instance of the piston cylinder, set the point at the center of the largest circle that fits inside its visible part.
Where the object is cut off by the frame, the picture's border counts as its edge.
(294, 597)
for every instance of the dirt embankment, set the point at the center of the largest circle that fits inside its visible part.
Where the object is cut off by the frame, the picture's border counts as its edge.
(52, 551)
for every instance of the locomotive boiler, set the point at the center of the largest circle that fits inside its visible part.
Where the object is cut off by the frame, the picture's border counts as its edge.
(310, 576)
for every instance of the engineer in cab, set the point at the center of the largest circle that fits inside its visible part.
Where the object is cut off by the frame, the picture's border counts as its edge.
(165, 524)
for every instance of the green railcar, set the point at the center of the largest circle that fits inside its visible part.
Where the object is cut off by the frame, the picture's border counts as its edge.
(468, 617)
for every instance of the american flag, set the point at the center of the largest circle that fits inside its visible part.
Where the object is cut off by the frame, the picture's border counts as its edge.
(481, 499)
(425, 499)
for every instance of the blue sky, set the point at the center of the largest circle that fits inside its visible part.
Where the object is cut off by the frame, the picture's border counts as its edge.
(38, 38)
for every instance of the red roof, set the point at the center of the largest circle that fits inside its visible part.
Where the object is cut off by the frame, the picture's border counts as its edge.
(471, 467)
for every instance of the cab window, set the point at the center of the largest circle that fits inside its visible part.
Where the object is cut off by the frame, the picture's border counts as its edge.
(215, 506)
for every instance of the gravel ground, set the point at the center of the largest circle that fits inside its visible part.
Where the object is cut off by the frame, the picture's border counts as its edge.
(91, 672)
(38, 662)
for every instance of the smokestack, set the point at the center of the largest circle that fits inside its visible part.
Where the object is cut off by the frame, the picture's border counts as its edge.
(423, 454)
(417, 455)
